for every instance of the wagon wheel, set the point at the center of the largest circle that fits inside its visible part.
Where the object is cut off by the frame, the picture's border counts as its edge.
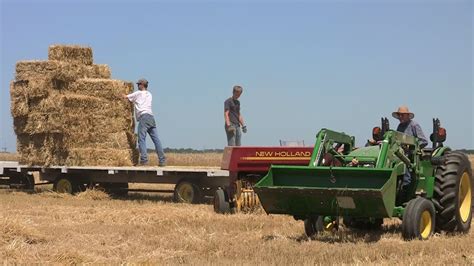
(66, 185)
(187, 192)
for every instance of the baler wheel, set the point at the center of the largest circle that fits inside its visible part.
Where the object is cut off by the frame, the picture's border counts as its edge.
(452, 195)
(418, 219)
(313, 226)
(220, 203)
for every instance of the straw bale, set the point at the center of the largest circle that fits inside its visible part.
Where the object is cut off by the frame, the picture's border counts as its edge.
(83, 105)
(36, 88)
(67, 111)
(57, 70)
(71, 54)
(100, 71)
(106, 88)
(41, 149)
(19, 101)
(116, 140)
(69, 123)
(19, 107)
(59, 149)
(101, 157)
(37, 123)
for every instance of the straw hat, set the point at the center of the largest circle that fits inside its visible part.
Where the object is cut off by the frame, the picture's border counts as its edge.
(403, 110)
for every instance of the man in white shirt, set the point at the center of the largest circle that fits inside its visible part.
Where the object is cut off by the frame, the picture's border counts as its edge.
(146, 122)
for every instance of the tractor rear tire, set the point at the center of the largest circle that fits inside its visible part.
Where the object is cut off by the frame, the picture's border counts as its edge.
(220, 204)
(187, 192)
(452, 195)
(313, 226)
(418, 219)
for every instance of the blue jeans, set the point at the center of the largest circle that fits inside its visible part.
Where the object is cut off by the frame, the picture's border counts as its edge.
(406, 178)
(233, 138)
(146, 124)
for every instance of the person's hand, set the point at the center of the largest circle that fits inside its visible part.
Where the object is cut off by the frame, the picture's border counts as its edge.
(231, 129)
(244, 129)
(354, 162)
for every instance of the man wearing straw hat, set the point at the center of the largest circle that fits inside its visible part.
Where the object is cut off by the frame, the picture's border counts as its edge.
(146, 122)
(410, 127)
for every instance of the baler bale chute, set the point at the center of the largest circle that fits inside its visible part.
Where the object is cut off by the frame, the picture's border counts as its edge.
(362, 186)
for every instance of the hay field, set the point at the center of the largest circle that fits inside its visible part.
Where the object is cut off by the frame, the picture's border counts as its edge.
(7, 156)
(91, 227)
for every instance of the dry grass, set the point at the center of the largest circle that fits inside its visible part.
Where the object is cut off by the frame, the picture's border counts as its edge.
(92, 228)
(7, 156)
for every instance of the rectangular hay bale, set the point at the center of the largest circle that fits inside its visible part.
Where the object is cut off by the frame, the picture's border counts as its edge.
(41, 149)
(71, 54)
(101, 157)
(67, 111)
(63, 71)
(80, 104)
(106, 88)
(116, 140)
(18, 100)
(69, 123)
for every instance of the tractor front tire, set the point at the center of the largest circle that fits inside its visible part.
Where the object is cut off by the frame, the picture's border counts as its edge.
(418, 219)
(452, 195)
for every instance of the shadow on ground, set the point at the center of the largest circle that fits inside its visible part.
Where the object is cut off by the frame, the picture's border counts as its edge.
(345, 235)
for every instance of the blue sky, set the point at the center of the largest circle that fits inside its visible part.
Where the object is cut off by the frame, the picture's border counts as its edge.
(304, 65)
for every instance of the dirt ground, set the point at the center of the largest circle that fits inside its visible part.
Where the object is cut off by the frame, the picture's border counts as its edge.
(91, 227)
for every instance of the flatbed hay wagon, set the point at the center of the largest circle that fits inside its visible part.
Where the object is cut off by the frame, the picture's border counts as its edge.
(191, 183)
(241, 166)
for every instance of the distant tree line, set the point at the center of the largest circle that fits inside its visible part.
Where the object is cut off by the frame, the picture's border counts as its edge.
(467, 151)
(189, 150)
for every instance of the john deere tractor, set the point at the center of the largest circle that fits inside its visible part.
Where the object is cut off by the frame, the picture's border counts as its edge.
(358, 187)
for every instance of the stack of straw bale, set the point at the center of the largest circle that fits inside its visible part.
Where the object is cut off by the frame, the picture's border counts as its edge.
(67, 111)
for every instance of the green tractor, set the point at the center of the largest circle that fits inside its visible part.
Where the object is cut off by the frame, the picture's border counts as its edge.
(364, 185)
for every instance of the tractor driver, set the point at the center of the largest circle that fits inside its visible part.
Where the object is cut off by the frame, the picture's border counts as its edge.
(410, 127)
